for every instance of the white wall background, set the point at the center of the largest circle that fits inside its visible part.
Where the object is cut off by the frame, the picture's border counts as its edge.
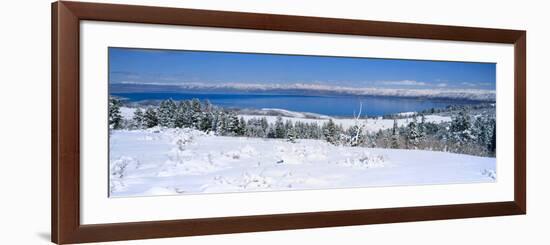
(25, 121)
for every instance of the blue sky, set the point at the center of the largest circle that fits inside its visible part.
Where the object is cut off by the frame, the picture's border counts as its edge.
(179, 67)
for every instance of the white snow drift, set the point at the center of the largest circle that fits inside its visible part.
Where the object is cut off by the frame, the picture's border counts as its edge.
(179, 161)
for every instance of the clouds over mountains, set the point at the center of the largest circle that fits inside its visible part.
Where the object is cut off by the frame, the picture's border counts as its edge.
(417, 90)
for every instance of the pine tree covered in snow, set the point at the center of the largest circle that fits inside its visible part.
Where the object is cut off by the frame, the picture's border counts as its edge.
(254, 128)
(493, 142)
(330, 132)
(207, 116)
(394, 135)
(150, 118)
(115, 117)
(271, 133)
(232, 124)
(480, 130)
(166, 113)
(291, 135)
(196, 113)
(241, 128)
(188, 115)
(181, 120)
(289, 130)
(138, 119)
(264, 124)
(422, 128)
(221, 123)
(413, 134)
(280, 128)
(381, 140)
(460, 128)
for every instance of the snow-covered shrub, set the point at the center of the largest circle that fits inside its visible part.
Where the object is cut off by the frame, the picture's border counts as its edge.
(365, 160)
(254, 181)
(119, 167)
(489, 173)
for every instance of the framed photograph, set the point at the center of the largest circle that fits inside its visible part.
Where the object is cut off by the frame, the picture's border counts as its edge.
(174, 122)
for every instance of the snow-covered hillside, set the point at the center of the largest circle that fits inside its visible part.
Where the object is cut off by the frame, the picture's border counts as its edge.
(180, 161)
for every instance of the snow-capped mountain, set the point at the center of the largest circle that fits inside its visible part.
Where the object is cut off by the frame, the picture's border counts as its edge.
(303, 88)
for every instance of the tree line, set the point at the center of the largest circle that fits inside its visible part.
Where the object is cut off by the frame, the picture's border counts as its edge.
(464, 134)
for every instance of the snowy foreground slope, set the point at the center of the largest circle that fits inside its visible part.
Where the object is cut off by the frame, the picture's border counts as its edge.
(179, 161)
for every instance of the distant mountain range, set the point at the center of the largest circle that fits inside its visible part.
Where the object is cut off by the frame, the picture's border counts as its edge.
(306, 89)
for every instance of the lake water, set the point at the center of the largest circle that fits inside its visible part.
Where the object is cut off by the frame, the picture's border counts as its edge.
(342, 106)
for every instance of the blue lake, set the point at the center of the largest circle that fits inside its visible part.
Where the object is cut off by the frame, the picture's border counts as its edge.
(342, 106)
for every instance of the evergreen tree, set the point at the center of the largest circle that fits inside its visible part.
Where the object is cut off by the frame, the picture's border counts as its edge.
(381, 140)
(460, 128)
(480, 131)
(271, 133)
(288, 126)
(207, 116)
(232, 124)
(180, 119)
(422, 126)
(280, 128)
(188, 114)
(291, 135)
(331, 132)
(395, 135)
(290, 131)
(196, 116)
(264, 124)
(493, 142)
(214, 123)
(115, 117)
(241, 127)
(150, 118)
(221, 126)
(254, 128)
(413, 134)
(166, 113)
(138, 118)
(315, 131)
(422, 131)
(302, 130)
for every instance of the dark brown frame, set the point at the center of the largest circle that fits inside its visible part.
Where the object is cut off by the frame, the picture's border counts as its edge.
(65, 175)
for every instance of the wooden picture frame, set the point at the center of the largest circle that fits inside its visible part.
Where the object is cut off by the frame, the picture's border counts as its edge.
(65, 175)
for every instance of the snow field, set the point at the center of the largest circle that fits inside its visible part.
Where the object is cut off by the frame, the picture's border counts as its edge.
(182, 161)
